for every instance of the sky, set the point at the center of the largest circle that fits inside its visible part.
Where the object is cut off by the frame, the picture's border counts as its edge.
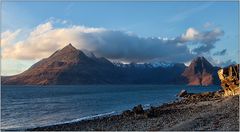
(120, 31)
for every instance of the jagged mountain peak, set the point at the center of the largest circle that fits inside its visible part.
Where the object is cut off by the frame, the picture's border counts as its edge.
(199, 64)
(201, 59)
(69, 47)
(68, 53)
(200, 72)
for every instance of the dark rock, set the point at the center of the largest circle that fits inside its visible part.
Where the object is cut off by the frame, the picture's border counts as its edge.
(127, 113)
(219, 93)
(138, 109)
(150, 113)
(182, 93)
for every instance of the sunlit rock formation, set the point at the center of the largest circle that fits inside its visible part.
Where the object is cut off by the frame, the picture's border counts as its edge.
(229, 77)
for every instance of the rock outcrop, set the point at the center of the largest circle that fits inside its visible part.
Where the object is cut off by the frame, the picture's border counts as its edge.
(201, 72)
(182, 93)
(229, 77)
(138, 109)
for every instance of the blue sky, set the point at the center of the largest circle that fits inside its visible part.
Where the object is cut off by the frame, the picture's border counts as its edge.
(145, 19)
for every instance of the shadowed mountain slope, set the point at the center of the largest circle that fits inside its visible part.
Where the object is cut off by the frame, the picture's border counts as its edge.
(70, 66)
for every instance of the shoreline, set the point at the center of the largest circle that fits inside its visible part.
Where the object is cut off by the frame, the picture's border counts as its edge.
(118, 108)
(93, 117)
(195, 112)
(86, 118)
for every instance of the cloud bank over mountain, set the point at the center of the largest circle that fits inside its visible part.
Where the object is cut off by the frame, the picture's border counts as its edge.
(206, 39)
(44, 39)
(220, 53)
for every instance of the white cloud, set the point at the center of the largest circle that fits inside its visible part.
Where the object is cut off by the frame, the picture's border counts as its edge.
(220, 53)
(8, 37)
(222, 63)
(206, 37)
(41, 29)
(190, 34)
(205, 40)
(112, 44)
(44, 40)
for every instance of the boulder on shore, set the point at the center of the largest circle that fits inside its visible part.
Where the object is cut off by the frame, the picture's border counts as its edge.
(127, 113)
(138, 109)
(182, 93)
(150, 113)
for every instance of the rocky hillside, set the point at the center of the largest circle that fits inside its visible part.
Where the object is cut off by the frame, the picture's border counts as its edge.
(70, 66)
(201, 72)
(66, 66)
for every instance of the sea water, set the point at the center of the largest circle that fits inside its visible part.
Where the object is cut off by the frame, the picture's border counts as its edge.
(33, 106)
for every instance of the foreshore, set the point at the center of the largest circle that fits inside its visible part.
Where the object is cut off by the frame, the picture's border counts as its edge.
(196, 112)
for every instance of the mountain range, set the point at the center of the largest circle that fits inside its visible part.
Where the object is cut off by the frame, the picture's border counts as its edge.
(70, 66)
